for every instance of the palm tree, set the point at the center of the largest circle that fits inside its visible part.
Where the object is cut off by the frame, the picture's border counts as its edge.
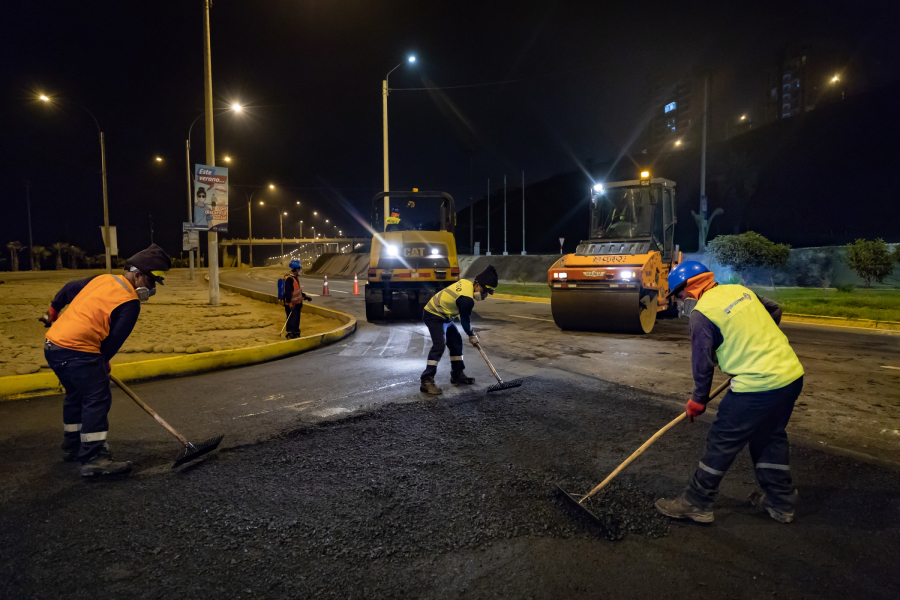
(14, 249)
(39, 253)
(60, 248)
(75, 253)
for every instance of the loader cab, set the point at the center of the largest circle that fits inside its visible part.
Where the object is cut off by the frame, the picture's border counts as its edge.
(633, 211)
(413, 211)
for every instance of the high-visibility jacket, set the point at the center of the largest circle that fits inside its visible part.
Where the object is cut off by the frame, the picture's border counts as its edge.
(754, 350)
(296, 297)
(443, 304)
(85, 324)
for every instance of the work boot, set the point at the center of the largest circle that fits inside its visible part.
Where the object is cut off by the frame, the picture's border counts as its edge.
(679, 508)
(429, 387)
(103, 464)
(758, 499)
(70, 451)
(457, 378)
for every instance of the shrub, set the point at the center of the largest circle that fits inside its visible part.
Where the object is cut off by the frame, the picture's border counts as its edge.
(845, 288)
(871, 260)
(748, 250)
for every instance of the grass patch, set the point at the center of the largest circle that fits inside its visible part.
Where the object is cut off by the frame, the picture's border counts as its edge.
(876, 304)
(540, 290)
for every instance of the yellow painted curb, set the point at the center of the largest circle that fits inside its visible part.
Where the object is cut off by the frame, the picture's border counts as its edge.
(40, 384)
(842, 322)
(535, 299)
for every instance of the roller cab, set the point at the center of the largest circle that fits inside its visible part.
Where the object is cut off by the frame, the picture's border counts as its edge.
(617, 280)
(413, 257)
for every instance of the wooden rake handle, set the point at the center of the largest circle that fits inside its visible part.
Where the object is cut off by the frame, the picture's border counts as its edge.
(649, 443)
(149, 410)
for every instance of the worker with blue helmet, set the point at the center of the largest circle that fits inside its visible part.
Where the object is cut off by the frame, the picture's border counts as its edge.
(293, 299)
(737, 330)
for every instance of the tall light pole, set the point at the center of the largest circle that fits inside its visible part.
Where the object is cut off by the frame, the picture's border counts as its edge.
(106, 240)
(30, 241)
(703, 201)
(384, 120)
(212, 236)
(281, 215)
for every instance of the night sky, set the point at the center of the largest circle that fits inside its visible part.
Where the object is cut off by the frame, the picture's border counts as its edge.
(309, 74)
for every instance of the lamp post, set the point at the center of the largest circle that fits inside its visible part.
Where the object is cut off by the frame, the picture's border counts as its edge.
(106, 240)
(384, 119)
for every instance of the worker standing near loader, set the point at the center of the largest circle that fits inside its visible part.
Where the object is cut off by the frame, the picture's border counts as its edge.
(732, 327)
(455, 301)
(293, 300)
(81, 342)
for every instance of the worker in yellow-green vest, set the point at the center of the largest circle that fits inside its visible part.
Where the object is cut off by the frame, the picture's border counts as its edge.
(456, 300)
(737, 330)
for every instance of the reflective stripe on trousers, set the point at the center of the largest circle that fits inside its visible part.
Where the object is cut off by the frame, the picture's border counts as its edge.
(436, 327)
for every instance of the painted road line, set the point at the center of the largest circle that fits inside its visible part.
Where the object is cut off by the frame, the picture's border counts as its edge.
(532, 318)
(887, 367)
(398, 342)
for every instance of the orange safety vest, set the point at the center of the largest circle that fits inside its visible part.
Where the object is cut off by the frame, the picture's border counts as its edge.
(85, 324)
(296, 294)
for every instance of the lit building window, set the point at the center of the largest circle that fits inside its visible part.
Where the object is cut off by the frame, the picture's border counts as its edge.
(670, 107)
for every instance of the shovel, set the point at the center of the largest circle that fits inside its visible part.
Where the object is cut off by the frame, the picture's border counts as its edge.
(500, 385)
(580, 503)
(190, 451)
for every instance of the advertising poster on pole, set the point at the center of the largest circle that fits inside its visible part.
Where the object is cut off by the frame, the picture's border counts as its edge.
(210, 198)
(190, 237)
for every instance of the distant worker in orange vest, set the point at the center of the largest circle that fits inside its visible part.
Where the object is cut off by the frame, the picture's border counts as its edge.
(293, 300)
(81, 342)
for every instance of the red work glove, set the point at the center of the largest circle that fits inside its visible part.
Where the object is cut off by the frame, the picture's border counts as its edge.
(694, 409)
(49, 317)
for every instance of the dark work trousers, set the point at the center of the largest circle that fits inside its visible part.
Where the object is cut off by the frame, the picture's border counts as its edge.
(757, 419)
(88, 398)
(436, 327)
(293, 318)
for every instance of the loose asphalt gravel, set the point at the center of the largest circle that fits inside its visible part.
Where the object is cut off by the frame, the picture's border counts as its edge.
(452, 498)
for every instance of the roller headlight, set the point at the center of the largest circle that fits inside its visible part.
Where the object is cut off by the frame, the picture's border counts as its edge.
(627, 274)
(563, 275)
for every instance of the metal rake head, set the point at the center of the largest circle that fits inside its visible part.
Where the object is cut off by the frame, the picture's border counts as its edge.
(504, 385)
(197, 450)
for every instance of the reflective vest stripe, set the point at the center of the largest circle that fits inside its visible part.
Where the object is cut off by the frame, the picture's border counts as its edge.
(443, 304)
(296, 293)
(124, 287)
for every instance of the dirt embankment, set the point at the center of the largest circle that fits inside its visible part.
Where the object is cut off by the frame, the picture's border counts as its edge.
(177, 320)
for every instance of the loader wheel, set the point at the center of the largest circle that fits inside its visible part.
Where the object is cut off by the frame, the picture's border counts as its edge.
(374, 311)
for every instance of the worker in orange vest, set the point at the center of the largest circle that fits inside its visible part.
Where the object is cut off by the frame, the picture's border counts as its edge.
(293, 300)
(81, 342)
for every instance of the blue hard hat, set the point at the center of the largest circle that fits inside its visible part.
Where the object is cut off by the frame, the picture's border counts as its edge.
(678, 277)
(294, 264)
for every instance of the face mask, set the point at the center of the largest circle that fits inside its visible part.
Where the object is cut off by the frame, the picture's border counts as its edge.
(144, 293)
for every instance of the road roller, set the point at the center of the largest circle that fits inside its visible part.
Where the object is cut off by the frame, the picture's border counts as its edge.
(413, 253)
(617, 280)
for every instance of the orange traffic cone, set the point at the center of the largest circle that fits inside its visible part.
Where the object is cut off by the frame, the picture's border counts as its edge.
(355, 285)
(325, 287)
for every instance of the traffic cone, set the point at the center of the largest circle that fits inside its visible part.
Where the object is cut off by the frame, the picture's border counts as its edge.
(325, 287)
(355, 285)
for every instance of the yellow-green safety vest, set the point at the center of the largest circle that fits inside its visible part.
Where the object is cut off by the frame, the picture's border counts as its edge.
(754, 350)
(443, 304)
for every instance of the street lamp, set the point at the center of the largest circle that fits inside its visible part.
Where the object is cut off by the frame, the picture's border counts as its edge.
(250, 221)
(106, 240)
(228, 159)
(385, 90)
(158, 159)
(190, 180)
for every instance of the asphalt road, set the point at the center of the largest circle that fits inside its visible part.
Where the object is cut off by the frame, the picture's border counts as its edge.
(588, 401)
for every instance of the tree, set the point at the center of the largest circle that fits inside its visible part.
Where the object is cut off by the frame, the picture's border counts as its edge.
(748, 250)
(60, 248)
(39, 253)
(871, 259)
(14, 249)
(75, 253)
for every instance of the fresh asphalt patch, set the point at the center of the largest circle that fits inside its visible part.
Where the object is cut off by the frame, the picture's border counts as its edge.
(453, 497)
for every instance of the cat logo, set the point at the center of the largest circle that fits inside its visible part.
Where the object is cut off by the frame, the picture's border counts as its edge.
(594, 273)
(409, 252)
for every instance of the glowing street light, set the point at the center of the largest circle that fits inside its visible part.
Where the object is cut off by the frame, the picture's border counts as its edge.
(743, 117)
(677, 142)
(158, 159)
(228, 159)
(384, 122)
(271, 186)
(237, 107)
(835, 79)
(261, 203)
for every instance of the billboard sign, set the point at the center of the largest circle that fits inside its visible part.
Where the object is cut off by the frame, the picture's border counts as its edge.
(190, 237)
(210, 198)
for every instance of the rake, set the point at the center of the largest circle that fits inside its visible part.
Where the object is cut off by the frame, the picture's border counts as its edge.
(580, 503)
(190, 451)
(500, 385)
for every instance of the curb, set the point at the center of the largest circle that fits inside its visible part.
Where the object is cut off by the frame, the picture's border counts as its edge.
(14, 387)
(535, 299)
(842, 322)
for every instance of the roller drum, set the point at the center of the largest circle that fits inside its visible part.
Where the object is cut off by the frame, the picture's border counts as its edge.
(608, 311)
